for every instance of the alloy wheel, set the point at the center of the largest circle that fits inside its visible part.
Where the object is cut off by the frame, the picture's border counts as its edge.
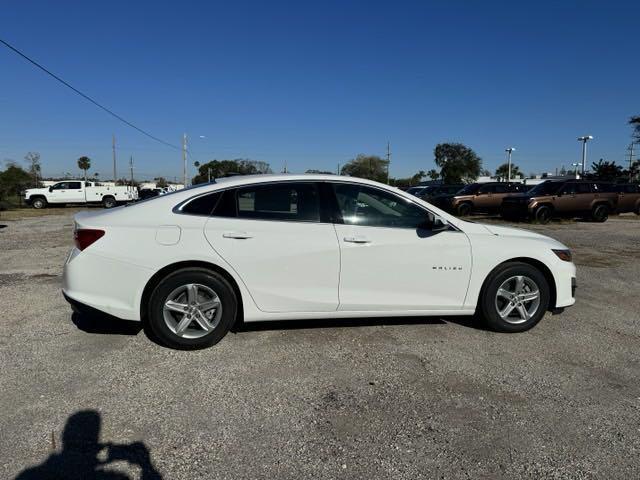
(518, 299)
(192, 310)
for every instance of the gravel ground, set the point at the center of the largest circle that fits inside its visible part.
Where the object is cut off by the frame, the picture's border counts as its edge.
(395, 398)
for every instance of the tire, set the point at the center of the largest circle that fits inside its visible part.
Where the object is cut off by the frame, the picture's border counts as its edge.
(600, 213)
(464, 210)
(523, 314)
(172, 327)
(109, 202)
(39, 203)
(543, 214)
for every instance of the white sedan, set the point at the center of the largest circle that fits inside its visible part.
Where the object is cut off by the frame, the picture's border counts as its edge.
(275, 247)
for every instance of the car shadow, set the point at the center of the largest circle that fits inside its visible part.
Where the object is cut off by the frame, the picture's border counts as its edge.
(103, 324)
(83, 455)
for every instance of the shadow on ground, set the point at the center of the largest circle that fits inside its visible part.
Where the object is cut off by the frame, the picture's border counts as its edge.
(83, 456)
(105, 324)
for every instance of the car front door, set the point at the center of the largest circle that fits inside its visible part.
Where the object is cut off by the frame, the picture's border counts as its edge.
(62, 192)
(390, 261)
(274, 237)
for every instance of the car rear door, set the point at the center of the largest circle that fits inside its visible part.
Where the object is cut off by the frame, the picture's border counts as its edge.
(390, 261)
(276, 239)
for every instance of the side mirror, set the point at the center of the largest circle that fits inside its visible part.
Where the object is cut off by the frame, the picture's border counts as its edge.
(435, 223)
(51, 189)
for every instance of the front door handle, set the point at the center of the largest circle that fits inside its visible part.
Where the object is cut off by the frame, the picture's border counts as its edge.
(357, 239)
(238, 235)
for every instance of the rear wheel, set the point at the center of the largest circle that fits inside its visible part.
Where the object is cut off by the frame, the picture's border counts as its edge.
(600, 213)
(108, 202)
(543, 214)
(39, 203)
(515, 298)
(192, 308)
(464, 209)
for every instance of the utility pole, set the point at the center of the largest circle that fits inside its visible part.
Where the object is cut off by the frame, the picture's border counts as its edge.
(209, 174)
(113, 147)
(388, 160)
(576, 165)
(131, 168)
(630, 160)
(509, 152)
(338, 172)
(184, 159)
(584, 139)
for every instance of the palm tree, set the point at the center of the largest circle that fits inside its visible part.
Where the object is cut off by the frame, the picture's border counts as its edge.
(84, 163)
(502, 172)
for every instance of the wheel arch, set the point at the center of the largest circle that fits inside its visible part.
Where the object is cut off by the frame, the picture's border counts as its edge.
(534, 263)
(168, 269)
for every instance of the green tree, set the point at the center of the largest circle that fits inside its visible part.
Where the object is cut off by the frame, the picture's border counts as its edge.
(13, 180)
(433, 174)
(605, 170)
(33, 160)
(161, 182)
(415, 179)
(502, 172)
(457, 162)
(84, 164)
(366, 166)
(225, 168)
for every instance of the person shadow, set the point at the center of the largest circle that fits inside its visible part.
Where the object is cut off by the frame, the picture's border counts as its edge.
(83, 456)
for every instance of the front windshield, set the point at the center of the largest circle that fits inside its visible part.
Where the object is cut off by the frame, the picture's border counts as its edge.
(470, 189)
(545, 188)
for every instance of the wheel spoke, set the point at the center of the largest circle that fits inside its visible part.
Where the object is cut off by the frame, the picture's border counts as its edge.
(519, 284)
(192, 293)
(183, 324)
(504, 293)
(522, 311)
(504, 313)
(175, 306)
(529, 296)
(205, 306)
(202, 320)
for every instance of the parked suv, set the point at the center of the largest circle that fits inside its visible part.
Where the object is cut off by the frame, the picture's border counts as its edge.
(438, 191)
(479, 197)
(628, 198)
(567, 198)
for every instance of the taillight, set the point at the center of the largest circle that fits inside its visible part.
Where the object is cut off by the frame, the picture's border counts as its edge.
(86, 236)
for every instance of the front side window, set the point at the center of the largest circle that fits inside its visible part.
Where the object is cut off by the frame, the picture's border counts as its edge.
(503, 189)
(361, 205)
(285, 201)
(61, 186)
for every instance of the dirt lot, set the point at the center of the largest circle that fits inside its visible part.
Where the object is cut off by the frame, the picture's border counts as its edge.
(417, 398)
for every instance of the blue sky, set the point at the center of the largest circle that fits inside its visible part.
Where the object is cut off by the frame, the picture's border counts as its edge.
(314, 84)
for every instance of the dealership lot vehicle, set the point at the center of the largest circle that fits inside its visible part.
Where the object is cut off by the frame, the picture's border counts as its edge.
(306, 246)
(386, 398)
(79, 192)
(628, 198)
(569, 198)
(440, 190)
(478, 198)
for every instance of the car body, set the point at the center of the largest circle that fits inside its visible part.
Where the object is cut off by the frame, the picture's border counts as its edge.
(479, 197)
(628, 198)
(419, 190)
(438, 191)
(149, 193)
(301, 247)
(563, 198)
(79, 192)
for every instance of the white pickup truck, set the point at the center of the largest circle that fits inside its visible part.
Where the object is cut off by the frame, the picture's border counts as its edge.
(79, 191)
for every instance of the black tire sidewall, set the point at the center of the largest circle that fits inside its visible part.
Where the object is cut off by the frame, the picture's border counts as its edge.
(488, 294)
(108, 202)
(603, 215)
(543, 214)
(464, 209)
(202, 276)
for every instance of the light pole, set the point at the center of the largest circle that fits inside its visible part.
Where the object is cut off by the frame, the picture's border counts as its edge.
(576, 165)
(184, 157)
(584, 139)
(509, 152)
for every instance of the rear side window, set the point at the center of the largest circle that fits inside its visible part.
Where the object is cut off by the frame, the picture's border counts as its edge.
(487, 189)
(203, 205)
(502, 189)
(285, 201)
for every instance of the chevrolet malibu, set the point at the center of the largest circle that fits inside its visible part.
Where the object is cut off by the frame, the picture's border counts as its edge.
(193, 262)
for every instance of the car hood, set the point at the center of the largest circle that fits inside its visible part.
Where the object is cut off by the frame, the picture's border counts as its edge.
(515, 232)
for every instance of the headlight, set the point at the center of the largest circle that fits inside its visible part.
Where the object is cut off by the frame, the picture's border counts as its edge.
(563, 255)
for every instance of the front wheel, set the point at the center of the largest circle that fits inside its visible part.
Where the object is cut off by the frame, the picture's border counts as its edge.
(600, 213)
(515, 298)
(543, 214)
(464, 209)
(192, 308)
(39, 203)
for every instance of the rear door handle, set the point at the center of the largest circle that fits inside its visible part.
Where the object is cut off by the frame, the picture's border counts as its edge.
(357, 239)
(238, 235)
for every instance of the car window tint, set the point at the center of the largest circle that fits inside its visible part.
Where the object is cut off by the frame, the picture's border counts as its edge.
(371, 207)
(61, 186)
(202, 205)
(570, 188)
(285, 201)
(501, 189)
(585, 188)
(75, 185)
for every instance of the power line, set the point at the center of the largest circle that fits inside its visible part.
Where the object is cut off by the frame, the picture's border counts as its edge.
(87, 97)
